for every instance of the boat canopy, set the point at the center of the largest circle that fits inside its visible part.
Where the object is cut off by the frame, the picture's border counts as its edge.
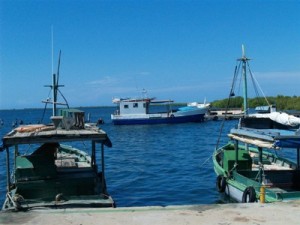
(35, 134)
(152, 100)
(279, 117)
(118, 100)
(267, 138)
(161, 101)
(252, 141)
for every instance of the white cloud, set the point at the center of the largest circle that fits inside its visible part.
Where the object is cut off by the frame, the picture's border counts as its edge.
(107, 80)
(277, 75)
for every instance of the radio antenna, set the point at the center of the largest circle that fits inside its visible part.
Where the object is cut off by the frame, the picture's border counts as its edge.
(52, 48)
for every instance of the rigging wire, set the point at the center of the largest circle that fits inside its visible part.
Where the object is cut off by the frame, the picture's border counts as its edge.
(63, 98)
(240, 78)
(44, 112)
(231, 94)
(256, 84)
(253, 81)
(45, 107)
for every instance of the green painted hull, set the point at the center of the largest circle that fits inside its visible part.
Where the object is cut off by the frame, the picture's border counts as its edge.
(69, 180)
(280, 185)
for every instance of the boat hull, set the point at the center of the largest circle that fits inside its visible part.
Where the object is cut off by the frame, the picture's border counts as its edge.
(66, 179)
(157, 120)
(243, 185)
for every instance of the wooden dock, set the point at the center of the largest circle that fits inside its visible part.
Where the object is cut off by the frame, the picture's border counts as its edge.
(221, 114)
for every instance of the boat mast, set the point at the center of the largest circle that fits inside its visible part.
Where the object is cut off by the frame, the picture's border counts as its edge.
(54, 87)
(53, 78)
(244, 60)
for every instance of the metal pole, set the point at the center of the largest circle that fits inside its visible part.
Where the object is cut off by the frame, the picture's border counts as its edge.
(245, 89)
(7, 170)
(93, 154)
(54, 86)
(102, 162)
(236, 147)
(260, 164)
(262, 196)
(244, 60)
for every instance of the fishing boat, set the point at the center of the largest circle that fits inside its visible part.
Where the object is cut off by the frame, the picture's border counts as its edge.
(261, 161)
(47, 169)
(200, 105)
(138, 111)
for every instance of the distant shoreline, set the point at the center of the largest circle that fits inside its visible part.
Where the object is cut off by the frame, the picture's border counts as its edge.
(80, 107)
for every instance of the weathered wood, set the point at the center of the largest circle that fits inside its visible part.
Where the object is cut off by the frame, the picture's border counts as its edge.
(31, 134)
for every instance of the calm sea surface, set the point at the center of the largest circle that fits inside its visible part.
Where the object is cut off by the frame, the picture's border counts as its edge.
(148, 164)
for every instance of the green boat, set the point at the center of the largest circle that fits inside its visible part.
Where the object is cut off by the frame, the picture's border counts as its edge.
(46, 168)
(248, 167)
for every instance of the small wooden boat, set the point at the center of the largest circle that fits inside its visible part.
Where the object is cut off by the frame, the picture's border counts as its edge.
(49, 170)
(249, 167)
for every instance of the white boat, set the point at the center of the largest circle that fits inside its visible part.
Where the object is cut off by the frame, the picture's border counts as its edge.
(199, 105)
(138, 111)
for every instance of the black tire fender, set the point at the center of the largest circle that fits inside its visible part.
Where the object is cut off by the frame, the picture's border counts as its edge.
(249, 195)
(221, 183)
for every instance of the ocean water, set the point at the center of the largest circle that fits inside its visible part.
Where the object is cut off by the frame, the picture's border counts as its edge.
(148, 164)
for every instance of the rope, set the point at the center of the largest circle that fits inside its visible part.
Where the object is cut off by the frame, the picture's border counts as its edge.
(205, 161)
(261, 167)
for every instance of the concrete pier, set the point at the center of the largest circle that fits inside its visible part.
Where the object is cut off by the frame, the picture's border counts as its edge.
(221, 214)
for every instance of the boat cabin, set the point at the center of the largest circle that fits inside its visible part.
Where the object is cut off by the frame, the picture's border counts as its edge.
(134, 106)
(137, 106)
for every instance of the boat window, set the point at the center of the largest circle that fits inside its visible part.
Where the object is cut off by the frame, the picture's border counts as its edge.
(144, 105)
(125, 106)
(135, 105)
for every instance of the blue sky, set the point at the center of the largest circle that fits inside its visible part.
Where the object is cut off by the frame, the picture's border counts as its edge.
(182, 50)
